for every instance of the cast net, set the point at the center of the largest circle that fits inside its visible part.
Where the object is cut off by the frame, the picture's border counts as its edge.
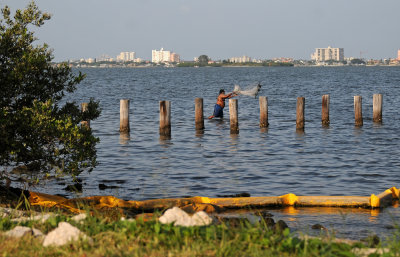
(251, 90)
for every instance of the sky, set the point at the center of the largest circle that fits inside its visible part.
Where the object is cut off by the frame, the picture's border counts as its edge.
(221, 29)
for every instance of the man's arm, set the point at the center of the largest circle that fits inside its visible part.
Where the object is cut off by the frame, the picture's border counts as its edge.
(230, 95)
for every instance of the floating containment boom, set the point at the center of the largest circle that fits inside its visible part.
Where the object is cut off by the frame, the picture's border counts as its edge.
(381, 200)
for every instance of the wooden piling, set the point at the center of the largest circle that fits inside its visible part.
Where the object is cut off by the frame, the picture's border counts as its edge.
(233, 113)
(165, 118)
(124, 115)
(325, 110)
(300, 120)
(358, 110)
(199, 116)
(263, 100)
(84, 108)
(377, 108)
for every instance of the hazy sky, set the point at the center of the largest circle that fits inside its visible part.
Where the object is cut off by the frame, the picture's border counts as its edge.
(219, 28)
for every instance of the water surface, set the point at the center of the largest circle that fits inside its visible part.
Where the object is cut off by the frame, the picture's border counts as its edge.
(338, 160)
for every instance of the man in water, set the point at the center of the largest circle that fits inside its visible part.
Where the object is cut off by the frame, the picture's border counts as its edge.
(219, 106)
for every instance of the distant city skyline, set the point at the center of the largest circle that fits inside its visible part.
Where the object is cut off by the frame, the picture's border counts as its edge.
(261, 29)
(162, 55)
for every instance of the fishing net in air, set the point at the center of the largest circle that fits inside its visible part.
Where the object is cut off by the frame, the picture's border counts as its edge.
(251, 90)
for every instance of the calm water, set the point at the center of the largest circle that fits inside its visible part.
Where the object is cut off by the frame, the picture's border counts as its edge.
(339, 160)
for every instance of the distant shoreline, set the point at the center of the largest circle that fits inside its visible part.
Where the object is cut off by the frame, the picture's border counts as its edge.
(227, 66)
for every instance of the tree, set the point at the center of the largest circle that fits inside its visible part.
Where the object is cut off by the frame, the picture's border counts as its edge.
(203, 59)
(357, 61)
(38, 129)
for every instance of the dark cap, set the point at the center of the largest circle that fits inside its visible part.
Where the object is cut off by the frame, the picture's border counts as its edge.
(221, 91)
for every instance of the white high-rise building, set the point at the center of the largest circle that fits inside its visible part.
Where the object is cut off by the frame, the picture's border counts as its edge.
(126, 56)
(326, 54)
(241, 59)
(164, 56)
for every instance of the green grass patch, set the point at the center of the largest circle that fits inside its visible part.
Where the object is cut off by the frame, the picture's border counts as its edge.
(116, 237)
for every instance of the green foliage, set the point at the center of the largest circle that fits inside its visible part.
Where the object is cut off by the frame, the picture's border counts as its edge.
(6, 224)
(35, 130)
(394, 240)
(197, 64)
(187, 64)
(138, 238)
(357, 62)
(273, 63)
(203, 59)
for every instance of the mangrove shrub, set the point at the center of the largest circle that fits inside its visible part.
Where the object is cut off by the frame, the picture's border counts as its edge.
(39, 130)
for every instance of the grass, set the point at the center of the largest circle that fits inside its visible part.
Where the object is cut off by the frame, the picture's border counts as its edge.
(115, 237)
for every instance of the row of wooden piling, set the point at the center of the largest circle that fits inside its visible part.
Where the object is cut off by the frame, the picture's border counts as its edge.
(358, 117)
(165, 113)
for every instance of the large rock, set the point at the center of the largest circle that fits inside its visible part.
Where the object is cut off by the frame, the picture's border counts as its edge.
(20, 231)
(176, 216)
(280, 225)
(201, 219)
(63, 234)
(79, 217)
(181, 218)
(270, 222)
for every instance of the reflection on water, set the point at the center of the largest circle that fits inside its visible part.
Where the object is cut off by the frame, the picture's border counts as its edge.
(124, 138)
(300, 132)
(377, 125)
(291, 210)
(352, 223)
(165, 141)
(221, 124)
(165, 138)
(199, 133)
(325, 126)
(358, 131)
(234, 139)
(374, 215)
(264, 130)
(300, 135)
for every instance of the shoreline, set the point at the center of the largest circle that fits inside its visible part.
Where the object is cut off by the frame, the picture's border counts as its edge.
(227, 66)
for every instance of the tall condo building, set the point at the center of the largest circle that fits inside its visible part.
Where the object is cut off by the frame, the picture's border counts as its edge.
(398, 55)
(164, 56)
(241, 59)
(126, 56)
(326, 54)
